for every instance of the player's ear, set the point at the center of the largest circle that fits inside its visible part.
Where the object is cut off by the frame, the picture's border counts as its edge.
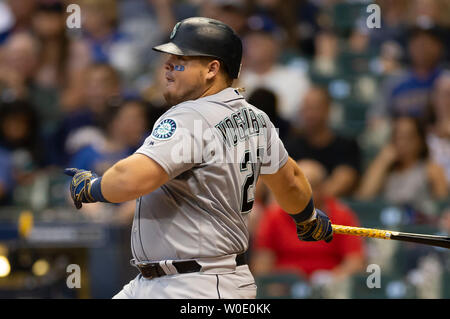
(213, 69)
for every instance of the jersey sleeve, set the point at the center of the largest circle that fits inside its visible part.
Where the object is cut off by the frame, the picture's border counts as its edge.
(276, 155)
(176, 140)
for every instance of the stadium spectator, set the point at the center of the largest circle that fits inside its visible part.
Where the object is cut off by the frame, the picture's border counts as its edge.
(100, 27)
(306, 26)
(316, 140)
(20, 56)
(49, 27)
(402, 172)
(19, 135)
(429, 12)
(267, 101)
(124, 129)
(279, 16)
(152, 95)
(261, 69)
(22, 12)
(102, 40)
(408, 94)
(389, 63)
(18, 65)
(101, 89)
(326, 52)
(7, 22)
(231, 12)
(394, 22)
(277, 248)
(144, 23)
(6, 176)
(438, 137)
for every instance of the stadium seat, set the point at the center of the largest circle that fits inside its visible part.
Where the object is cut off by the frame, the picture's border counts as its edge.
(376, 213)
(446, 285)
(345, 15)
(355, 63)
(58, 187)
(354, 118)
(392, 286)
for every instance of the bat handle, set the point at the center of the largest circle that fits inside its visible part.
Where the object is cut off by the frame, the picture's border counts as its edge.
(359, 231)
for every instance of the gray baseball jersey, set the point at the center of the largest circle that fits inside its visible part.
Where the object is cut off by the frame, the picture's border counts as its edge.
(213, 149)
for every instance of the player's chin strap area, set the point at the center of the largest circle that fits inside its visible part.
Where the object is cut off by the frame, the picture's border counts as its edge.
(151, 270)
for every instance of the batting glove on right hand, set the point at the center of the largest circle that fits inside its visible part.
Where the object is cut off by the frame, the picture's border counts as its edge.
(317, 229)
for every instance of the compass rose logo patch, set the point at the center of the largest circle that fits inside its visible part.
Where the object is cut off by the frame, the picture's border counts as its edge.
(165, 129)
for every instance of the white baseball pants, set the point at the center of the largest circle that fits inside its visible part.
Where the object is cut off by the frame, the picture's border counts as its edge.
(236, 284)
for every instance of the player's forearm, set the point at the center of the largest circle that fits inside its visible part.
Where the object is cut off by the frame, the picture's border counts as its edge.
(130, 178)
(290, 188)
(297, 196)
(116, 187)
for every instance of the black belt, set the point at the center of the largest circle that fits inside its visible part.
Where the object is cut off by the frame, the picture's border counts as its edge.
(154, 270)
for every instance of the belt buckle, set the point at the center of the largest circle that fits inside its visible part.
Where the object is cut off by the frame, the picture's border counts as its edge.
(149, 270)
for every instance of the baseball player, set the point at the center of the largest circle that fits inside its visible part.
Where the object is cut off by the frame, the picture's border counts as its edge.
(194, 177)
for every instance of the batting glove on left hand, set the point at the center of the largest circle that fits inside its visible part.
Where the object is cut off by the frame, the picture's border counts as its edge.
(80, 186)
(318, 229)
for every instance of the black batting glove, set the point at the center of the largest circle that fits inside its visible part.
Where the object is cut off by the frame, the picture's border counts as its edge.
(319, 228)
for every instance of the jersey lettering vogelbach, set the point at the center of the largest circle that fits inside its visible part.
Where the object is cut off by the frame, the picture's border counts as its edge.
(213, 149)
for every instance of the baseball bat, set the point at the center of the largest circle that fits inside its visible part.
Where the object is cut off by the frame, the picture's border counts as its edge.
(432, 240)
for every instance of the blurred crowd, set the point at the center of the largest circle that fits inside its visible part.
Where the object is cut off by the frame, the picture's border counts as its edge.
(366, 112)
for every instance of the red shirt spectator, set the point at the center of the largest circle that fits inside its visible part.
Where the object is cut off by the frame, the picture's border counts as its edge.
(277, 233)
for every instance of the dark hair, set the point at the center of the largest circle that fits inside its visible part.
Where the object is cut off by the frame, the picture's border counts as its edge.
(20, 107)
(264, 100)
(434, 32)
(113, 111)
(223, 68)
(113, 73)
(32, 140)
(50, 6)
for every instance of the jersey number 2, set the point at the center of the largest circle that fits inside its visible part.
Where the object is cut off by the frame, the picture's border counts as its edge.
(247, 197)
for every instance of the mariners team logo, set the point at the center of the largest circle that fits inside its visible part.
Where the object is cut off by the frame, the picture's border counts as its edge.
(165, 129)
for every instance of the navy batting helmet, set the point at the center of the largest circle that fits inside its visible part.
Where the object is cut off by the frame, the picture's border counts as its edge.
(206, 37)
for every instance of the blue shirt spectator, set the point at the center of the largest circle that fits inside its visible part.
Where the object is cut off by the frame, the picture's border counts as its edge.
(408, 94)
(411, 95)
(124, 129)
(97, 160)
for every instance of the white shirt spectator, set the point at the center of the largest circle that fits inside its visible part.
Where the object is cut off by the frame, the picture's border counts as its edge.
(289, 84)
(440, 152)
